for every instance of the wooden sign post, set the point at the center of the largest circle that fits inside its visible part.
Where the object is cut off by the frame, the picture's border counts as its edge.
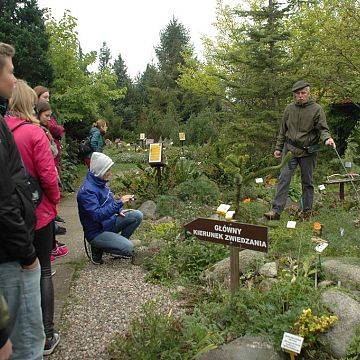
(156, 159)
(234, 234)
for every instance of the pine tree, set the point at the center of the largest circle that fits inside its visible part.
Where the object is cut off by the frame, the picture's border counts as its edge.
(104, 56)
(22, 25)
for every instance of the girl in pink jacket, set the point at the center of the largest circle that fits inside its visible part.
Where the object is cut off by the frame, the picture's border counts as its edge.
(38, 160)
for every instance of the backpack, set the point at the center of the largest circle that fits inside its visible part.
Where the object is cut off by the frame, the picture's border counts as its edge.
(85, 146)
(33, 184)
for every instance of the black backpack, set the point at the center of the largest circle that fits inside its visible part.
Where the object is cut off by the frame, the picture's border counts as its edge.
(85, 146)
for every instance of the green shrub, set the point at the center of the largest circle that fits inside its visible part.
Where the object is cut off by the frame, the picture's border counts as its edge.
(167, 205)
(162, 336)
(201, 190)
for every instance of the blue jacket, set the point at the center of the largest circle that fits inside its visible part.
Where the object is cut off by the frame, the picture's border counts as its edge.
(97, 207)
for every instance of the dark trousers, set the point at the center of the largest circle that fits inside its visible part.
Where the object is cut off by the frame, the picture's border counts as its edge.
(43, 243)
(307, 165)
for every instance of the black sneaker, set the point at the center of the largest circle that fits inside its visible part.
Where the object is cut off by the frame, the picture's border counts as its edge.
(96, 256)
(116, 256)
(51, 344)
(60, 230)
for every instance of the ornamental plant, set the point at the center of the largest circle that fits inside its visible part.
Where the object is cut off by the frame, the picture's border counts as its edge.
(309, 326)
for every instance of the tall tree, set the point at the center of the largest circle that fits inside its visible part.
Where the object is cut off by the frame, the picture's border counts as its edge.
(22, 25)
(104, 56)
(174, 42)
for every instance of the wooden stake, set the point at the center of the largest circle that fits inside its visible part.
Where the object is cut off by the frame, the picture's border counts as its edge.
(234, 269)
(292, 355)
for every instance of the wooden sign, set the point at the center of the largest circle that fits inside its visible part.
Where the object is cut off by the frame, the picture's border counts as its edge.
(246, 236)
(182, 136)
(142, 136)
(155, 153)
(149, 141)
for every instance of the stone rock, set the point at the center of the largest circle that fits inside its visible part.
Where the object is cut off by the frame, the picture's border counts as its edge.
(148, 208)
(220, 272)
(267, 284)
(269, 270)
(340, 335)
(245, 348)
(348, 274)
(165, 219)
(143, 253)
(136, 242)
(326, 283)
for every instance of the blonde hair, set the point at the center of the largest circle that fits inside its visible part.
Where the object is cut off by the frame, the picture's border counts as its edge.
(99, 123)
(23, 101)
(6, 51)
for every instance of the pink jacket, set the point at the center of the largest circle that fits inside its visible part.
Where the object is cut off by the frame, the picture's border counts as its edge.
(35, 152)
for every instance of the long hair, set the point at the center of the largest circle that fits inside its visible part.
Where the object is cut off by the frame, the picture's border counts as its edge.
(23, 101)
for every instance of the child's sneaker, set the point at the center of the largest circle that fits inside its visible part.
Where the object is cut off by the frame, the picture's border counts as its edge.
(51, 344)
(60, 251)
(52, 258)
(60, 245)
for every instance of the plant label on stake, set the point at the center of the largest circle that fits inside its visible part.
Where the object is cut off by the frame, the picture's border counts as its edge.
(292, 343)
(229, 215)
(291, 224)
(181, 136)
(342, 232)
(259, 180)
(322, 187)
(321, 247)
(142, 136)
(348, 164)
(223, 209)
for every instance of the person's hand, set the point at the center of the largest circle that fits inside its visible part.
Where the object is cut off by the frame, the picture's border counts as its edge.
(330, 142)
(277, 154)
(34, 265)
(127, 198)
(6, 351)
(122, 213)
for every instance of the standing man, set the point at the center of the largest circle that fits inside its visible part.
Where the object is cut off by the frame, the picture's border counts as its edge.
(303, 126)
(19, 266)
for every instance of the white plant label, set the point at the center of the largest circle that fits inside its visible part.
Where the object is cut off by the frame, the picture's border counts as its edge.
(291, 224)
(348, 164)
(321, 247)
(229, 215)
(223, 209)
(342, 231)
(259, 180)
(292, 343)
(322, 187)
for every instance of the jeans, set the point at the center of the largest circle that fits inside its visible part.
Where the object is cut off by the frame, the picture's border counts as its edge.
(43, 243)
(116, 243)
(307, 165)
(21, 289)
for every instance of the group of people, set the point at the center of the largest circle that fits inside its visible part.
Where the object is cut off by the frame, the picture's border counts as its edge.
(30, 153)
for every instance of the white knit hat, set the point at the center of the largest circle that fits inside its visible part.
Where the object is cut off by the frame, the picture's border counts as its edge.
(100, 164)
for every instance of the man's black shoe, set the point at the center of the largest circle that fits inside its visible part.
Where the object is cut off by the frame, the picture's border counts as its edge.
(96, 256)
(51, 344)
(60, 230)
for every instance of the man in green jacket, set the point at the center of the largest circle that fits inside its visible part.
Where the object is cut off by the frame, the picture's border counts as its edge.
(303, 126)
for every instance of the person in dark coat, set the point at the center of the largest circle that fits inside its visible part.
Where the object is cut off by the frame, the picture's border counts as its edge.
(302, 128)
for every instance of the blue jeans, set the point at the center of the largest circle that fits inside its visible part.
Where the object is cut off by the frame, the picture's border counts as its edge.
(116, 243)
(21, 289)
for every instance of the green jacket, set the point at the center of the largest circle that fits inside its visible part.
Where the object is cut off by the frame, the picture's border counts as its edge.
(97, 141)
(303, 124)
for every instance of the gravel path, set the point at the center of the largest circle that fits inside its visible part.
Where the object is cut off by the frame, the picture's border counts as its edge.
(103, 300)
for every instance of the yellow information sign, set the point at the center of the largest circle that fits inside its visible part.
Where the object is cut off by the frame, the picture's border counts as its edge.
(182, 136)
(142, 136)
(155, 153)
